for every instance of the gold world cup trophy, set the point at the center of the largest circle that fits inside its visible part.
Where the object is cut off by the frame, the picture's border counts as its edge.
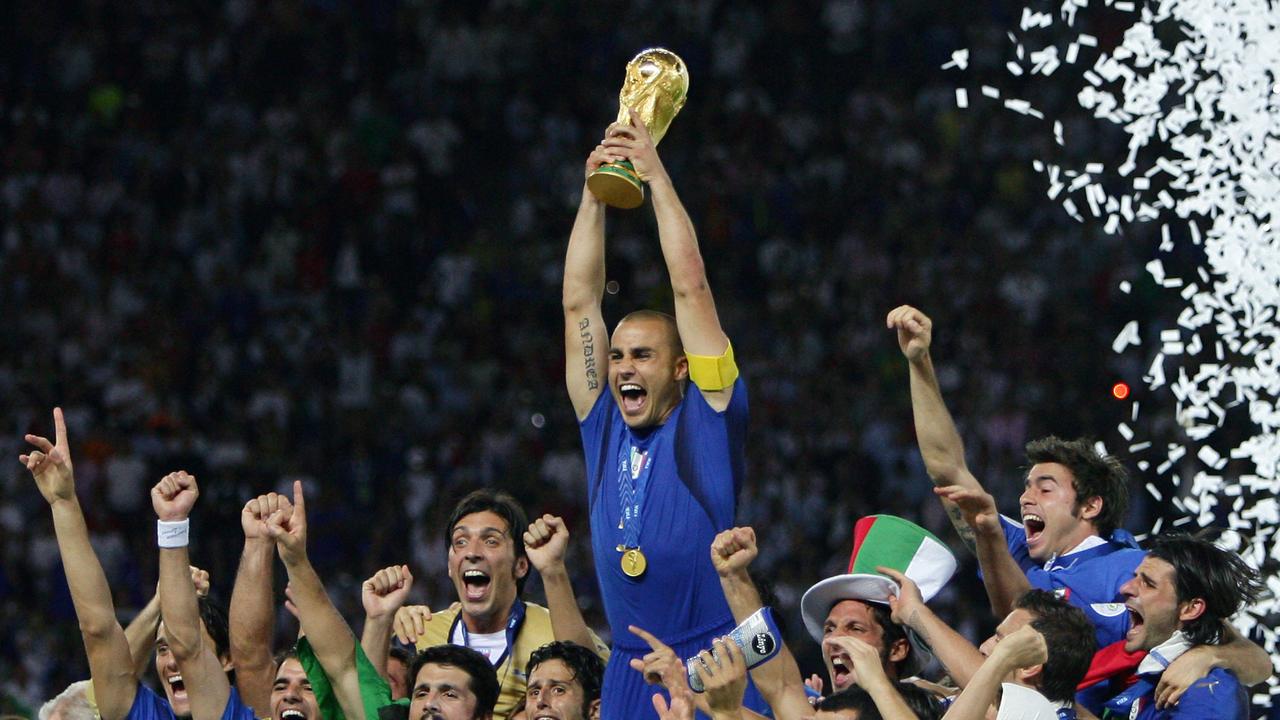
(657, 85)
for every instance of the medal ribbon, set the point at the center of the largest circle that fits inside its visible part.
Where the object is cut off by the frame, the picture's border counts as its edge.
(633, 482)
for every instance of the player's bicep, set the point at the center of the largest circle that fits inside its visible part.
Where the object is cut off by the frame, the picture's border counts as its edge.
(111, 667)
(586, 358)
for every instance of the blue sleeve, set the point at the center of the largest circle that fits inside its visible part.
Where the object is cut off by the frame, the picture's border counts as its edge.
(147, 705)
(1015, 538)
(1218, 695)
(594, 441)
(236, 709)
(711, 450)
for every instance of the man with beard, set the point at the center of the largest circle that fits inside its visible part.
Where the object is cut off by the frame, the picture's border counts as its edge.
(451, 682)
(115, 688)
(1070, 538)
(663, 442)
(1178, 599)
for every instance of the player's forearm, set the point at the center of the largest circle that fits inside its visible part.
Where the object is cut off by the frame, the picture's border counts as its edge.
(940, 443)
(252, 623)
(1250, 663)
(983, 690)
(678, 239)
(567, 623)
(584, 269)
(741, 594)
(781, 685)
(328, 632)
(887, 698)
(953, 650)
(86, 581)
(375, 640)
(178, 604)
(1004, 580)
(141, 635)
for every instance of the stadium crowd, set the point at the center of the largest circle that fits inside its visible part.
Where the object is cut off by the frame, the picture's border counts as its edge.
(324, 242)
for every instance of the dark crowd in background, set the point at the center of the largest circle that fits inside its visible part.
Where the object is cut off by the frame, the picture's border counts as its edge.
(323, 240)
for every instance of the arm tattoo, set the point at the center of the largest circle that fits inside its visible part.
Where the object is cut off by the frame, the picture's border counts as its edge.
(962, 528)
(588, 353)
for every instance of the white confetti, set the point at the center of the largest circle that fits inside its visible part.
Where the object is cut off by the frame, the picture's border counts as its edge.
(962, 98)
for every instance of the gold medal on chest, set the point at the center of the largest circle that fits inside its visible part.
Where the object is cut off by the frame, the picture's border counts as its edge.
(634, 562)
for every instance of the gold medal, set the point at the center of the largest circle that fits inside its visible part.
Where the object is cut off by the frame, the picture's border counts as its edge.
(633, 563)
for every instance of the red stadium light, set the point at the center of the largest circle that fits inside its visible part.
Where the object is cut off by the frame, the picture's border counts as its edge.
(1120, 390)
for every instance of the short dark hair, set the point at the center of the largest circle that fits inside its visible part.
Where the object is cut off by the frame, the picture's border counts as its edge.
(1068, 637)
(891, 633)
(504, 506)
(586, 666)
(924, 704)
(669, 321)
(851, 698)
(214, 618)
(1095, 474)
(484, 680)
(289, 653)
(1203, 570)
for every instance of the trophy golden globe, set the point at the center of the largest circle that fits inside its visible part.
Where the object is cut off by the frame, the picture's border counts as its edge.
(657, 85)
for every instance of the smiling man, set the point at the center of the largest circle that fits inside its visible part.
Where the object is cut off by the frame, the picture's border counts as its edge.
(663, 416)
(488, 566)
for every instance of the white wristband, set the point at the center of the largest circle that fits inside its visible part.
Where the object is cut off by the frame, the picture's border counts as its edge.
(173, 534)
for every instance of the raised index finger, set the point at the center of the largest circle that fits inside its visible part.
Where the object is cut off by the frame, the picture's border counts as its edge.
(59, 428)
(648, 637)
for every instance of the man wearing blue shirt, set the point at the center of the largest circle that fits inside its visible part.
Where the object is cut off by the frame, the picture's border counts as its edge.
(1178, 599)
(190, 627)
(664, 444)
(1069, 541)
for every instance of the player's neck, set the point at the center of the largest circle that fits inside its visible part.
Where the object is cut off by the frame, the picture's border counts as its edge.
(486, 624)
(1078, 535)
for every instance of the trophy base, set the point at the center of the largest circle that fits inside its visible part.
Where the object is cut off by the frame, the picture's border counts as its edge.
(617, 185)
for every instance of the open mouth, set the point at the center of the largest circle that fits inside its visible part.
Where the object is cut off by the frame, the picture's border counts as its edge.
(633, 398)
(476, 583)
(1136, 621)
(841, 671)
(175, 683)
(1034, 525)
(292, 714)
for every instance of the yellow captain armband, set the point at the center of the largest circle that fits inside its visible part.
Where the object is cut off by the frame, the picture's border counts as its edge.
(713, 372)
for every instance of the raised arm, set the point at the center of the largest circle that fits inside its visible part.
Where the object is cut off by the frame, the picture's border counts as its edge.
(202, 672)
(110, 664)
(960, 658)
(141, 630)
(778, 679)
(382, 595)
(586, 341)
(696, 316)
(252, 615)
(940, 443)
(546, 542)
(328, 633)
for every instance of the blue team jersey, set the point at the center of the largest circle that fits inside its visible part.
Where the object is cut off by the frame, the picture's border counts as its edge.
(1216, 696)
(696, 465)
(1089, 579)
(692, 491)
(147, 705)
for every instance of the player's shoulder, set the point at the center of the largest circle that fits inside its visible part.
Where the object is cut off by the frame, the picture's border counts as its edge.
(1216, 695)
(149, 705)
